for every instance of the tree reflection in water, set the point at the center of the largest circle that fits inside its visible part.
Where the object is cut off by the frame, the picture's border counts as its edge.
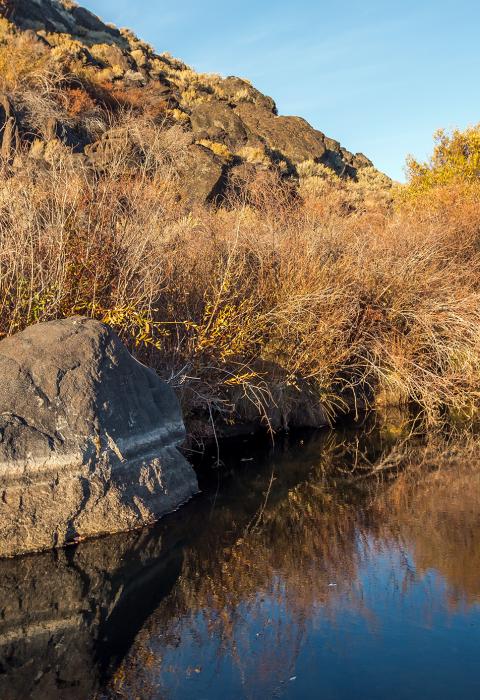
(303, 557)
(250, 594)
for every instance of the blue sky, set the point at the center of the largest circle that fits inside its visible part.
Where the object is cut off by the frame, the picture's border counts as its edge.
(378, 75)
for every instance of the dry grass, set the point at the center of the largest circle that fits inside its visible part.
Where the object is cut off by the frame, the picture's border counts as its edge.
(291, 309)
(21, 60)
(218, 148)
(287, 306)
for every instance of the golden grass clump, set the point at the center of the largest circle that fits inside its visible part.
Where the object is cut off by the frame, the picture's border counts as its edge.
(22, 60)
(218, 148)
(255, 154)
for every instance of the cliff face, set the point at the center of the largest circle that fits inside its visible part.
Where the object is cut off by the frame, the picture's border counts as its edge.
(233, 129)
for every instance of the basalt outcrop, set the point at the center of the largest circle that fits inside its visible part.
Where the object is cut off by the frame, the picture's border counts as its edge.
(88, 438)
(228, 117)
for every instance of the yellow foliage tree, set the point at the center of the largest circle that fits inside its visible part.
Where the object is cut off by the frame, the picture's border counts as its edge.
(455, 160)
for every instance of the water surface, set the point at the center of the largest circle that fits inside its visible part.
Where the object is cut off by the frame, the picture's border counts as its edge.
(292, 576)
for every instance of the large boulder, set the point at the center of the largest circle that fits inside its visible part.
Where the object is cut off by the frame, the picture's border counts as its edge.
(64, 16)
(88, 438)
(291, 137)
(113, 56)
(236, 91)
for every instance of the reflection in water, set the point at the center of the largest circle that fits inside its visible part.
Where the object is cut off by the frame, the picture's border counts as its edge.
(68, 617)
(294, 575)
(437, 517)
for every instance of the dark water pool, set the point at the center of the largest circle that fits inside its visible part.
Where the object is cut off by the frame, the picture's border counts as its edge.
(292, 576)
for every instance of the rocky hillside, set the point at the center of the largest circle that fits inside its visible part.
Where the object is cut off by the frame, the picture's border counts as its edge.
(91, 69)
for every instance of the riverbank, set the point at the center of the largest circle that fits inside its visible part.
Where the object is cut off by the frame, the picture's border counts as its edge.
(269, 275)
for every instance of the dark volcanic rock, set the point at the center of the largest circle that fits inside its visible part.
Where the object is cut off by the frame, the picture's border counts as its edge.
(88, 438)
(216, 121)
(236, 91)
(291, 137)
(111, 55)
(63, 17)
(203, 176)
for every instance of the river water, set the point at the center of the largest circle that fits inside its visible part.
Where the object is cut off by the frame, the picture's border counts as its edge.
(302, 571)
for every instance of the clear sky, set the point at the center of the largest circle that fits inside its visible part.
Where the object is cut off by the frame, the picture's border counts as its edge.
(378, 75)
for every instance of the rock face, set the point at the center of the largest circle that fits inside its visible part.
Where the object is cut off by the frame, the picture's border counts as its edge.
(202, 176)
(64, 17)
(215, 121)
(88, 438)
(292, 137)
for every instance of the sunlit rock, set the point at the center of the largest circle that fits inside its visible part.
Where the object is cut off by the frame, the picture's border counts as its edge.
(88, 438)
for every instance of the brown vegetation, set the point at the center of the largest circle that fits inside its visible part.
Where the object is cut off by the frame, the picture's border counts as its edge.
(436, 500)
(295, 307)
(287, 304)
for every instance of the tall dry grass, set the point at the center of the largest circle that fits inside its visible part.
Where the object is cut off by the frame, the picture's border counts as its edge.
(275, 307)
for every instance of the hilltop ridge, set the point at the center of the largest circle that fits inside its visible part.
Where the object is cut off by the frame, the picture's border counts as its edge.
(234, 130)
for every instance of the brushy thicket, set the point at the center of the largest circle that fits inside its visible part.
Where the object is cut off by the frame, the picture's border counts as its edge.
(287, 307)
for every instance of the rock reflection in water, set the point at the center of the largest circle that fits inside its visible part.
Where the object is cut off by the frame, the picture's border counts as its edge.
(284, 569)
(68, 617)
